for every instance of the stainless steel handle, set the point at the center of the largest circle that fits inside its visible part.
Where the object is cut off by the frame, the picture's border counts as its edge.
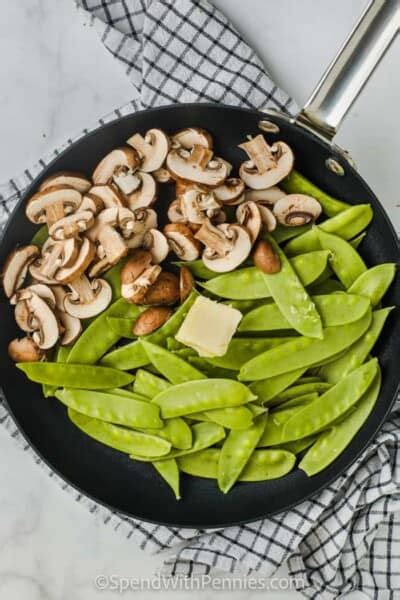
(351, 68)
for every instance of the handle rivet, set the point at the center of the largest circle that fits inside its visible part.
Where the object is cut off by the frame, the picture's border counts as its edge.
(333, 165)
(268, 126)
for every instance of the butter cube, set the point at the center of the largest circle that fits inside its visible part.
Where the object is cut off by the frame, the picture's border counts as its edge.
(209, 327)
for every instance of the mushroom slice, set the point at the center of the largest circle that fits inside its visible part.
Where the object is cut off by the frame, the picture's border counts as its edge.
(162, 175)
(113, 244)
(55, 255)
(109, 195)
(164, 291)
(267, 217)
(78, 181)
(267, 197)
(186, 283)
(182, 241)
(121, 159)
(249, 216)
(47, 330)
(182, 165)
(151, 319)
(152, 148)
(24, 350)
(105, 233)
(230, 192)
(83, 260)
(134, 267)
(192, 136)
(44, 292)
(23, 316)
(53, 204)
(144, 220)
(157, 244)
(72, 225)
(297, 209)
(16, 268)
(92, 202)
(197, 205)
(98, 267)
(227, 246)
(175, 212)
(72, 328)
(145, 195)
(87, 298)
(135, 291)
(268, 164)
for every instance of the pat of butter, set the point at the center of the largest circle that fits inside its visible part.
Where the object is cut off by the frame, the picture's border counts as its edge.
(209, 327)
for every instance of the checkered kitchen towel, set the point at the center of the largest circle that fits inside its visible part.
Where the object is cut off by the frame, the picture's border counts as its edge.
(347, 537)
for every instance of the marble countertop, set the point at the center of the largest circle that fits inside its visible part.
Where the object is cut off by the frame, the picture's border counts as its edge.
(56, 79)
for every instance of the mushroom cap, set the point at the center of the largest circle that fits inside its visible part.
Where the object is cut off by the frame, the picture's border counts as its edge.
(138, 262)
(23, 317)
(55, 255)
(109, 195)
(268, 197)
(182, 241)
(24, 350)
(145, 195)
(92, 203)
(248, 215)
(88, 299)
(180, 165)
(230, 192)
(268, 165)
(78, 181)
(162, 175)
(192, 136)
(267, 217)
(175, 212)
(186, 283)
(164, 291)
(135, 291)
(152, 149)
(126, 180)
(197, 205)
(86, 254)
(144, 220)
(47, 330)
(120, 157)
(157, 244)
(265, 258)
(44, 292)
(151, 319)
(294, 210)
(72, 225)
(239, 251)
(65, 196)
(72, 328)
(16, 268)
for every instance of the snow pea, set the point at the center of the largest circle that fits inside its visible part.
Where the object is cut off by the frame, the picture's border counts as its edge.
(113, 277)
(240, 350)
(256, 409)
(98, 337)
(204, 436)
(126, 394)
(114, 408)
(298, 446)
(299, 390)
(236, 451)
(374, 282)
(332, 404)
(304, 352)
(345, 260)
(168, 469)
(346, 224)
(61, 356)
(249, 284)
(296, 183)
(282, 233)
(355, 242)
(75, 376)
(332, 442)
(202, 394)
(308, 379)
(267, 389)
(358, 352)
(210, 370)
(235, 417)
(329, 286)
(245, 305)
(149, 384)
(335, 309)
(122, 327)
(261, 466)
(120, 438)
(274, 431)
(40, 236)
(197, 268)
(172, 367)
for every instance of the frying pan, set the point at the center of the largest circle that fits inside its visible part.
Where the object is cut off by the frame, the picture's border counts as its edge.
(134, 489)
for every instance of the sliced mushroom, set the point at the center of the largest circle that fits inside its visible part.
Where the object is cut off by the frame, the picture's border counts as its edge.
(192, 136)
(144, 220)
(227, 246)
(197, 205)
(248, 215)
(267, 217)
(43, 320)
(83, 260)
(135, 290)
(164, 291)
(23, 317)
(182, 186)
(92, 203)
(109, 195)
(24, 350)
(78, 181)
(104, 232)
(71, 325)
(53, 204)
(55, 256)
(162, 176)
(121, 162)
(44, 292)
(157, 244)
(294, 210)
(267, 165)
(72, 225)
(213, 172)
(186, 283)
(139, 261)
(87, 298)
(175, 212)
(145, 194)
(230, 192)
(267, 197)
(16, 268)
(182, 241)
(152, 149)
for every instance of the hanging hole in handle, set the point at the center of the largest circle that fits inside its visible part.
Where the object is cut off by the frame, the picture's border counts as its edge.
(268, 126)
(333, 165)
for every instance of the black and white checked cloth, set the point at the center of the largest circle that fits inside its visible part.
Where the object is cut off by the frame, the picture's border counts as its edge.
(346, 538)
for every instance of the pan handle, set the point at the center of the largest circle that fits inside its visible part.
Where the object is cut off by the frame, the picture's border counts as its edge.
(351, 68)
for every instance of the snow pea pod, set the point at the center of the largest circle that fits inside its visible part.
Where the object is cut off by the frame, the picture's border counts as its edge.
(374, 282)
(274, 430)
(267, 389)
(346, 224)
(126, 394)
(171, 366)
(168, 469)
(356, 242)
(149, 384)
(120, 438)
(114, 408)
(332, 442)
(197, 268)
(248, 283)
(335, 309)
(358, 352)
(304, 352)
(202, 394)
(75, 376)
(291, 297)
(241, 350)
(299, 390)
(236, 451)
(345, 260)
(113, 277)
(122, 327)
(283, 233)
(62, 354)
(245, 305)
(298, 446)
(235, 417)
(296, 183)
(210, 370)
(331, 405)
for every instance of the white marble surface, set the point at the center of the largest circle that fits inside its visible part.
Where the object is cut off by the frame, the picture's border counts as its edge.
(56, 78)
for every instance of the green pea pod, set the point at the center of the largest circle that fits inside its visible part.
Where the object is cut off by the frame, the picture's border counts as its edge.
(241, 350)
(329, 286)
(335, 309)
(284, 233)
(122, 327)
(40, 236)
(236, 451)
(249, 284)
(204, 436)
(149, 384)
(296, 183)
(267, 389)
(273, 433)
(235, 417)
(98, 337)
(171, 366)
(332, 442)
(298, 446)
(113, 277)
(331, 405)
(356, 242)
(197, 268)
(304, 352)
(126, 394)
(75, 376)
(119, 438)
(308, 379)
(244, 306)
(346, 224)
(256, 409)
(358, 352)
(212, 371)
(374, 282)
(203, 394)
(301, 389)
(345, 260)
(62, 354)
(168, 469)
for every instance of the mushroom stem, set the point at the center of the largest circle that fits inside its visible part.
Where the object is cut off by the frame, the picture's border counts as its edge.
(260, 153)
(213, 238)
(81, 289)
(55, 212)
